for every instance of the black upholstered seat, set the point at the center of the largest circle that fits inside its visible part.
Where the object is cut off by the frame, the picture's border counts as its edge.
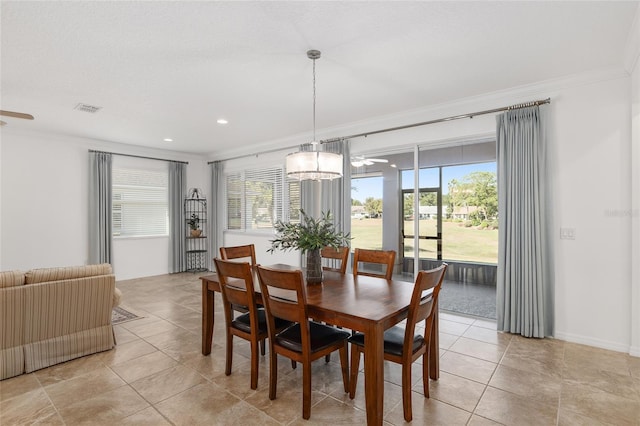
(393, 341)
(321, 336)
(243, 322)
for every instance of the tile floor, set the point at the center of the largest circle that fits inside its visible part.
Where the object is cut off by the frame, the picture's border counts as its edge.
(156, 375)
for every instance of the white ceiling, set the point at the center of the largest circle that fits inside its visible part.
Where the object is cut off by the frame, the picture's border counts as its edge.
(171, 69)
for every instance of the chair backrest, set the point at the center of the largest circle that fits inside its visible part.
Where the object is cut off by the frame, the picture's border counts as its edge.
(340, 254)
(230, 273)
(423, 301)
(239, 252)
(384, 257)
(284, 296)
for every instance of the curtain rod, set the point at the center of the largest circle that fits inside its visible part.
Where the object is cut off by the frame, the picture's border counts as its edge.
(441, 120)
(139, 156)
(408, 126)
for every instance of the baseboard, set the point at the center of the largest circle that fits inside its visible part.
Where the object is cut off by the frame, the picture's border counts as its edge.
(634, 351)
(598, 343)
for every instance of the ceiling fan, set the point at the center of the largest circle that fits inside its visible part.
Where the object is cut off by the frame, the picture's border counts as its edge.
(15, 115)
(361, 160)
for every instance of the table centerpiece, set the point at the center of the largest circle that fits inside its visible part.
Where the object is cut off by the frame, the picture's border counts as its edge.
(310, 236)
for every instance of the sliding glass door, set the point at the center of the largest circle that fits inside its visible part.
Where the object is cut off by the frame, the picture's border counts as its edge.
(433, 205)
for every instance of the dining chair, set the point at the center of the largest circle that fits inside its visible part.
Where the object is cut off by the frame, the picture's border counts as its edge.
(382, 257)
(239, 252)
(340, 254)
(403, 345)
(247, 252)
(251, 326)
(284, 296)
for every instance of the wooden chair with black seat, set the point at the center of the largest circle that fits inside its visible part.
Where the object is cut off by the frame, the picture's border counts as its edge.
(340, 254)
(246, 252)
(284, 296)
(239, 252)
(381, 257)
(335, 255)
(236, 286)
(403, 345)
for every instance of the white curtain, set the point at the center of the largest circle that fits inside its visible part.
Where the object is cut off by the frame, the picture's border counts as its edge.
(177, 191)
(100, 234)
(216, 205)
(525, 280)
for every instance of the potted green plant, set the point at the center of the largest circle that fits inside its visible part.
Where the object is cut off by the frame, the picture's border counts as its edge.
(309, 236)
(194, 224)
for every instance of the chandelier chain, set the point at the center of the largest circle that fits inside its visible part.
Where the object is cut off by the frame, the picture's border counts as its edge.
(314, 101)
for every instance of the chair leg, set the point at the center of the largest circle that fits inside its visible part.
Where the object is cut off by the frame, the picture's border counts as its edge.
(306, 389)
(355, 366)
(262, 347)
(344, 363)
(273, 372)
(425, 374)
(254, 364)
(327, 358)
(293, 364)
(227, 369)
(406, 391)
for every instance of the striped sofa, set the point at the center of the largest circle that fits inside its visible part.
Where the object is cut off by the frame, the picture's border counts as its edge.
(53, 315)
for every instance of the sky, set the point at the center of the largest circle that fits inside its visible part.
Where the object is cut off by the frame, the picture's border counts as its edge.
(372, 187)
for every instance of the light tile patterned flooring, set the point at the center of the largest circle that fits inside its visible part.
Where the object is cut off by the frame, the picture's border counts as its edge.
(156, 375)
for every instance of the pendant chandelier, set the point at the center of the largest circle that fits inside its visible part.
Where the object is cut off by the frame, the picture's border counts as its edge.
(315, 164)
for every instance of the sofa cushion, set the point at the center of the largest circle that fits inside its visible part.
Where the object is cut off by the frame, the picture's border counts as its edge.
(55, 274)
(11, 278)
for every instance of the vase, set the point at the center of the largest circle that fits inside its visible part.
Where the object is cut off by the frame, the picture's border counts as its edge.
(196, 232)
(314, 267)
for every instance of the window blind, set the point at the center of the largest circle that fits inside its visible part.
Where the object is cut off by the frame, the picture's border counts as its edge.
(140, 201)
(257, 198)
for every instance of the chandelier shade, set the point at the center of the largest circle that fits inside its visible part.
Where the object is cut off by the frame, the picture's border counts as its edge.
(314, 165)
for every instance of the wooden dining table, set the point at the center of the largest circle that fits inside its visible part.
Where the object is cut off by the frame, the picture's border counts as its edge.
(366, 304)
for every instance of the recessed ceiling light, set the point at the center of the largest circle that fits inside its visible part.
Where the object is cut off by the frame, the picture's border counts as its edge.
(168, 140)
(222, 121)
(392, 165)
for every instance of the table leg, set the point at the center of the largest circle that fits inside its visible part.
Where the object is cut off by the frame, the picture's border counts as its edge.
(374, 373)
(434, 347)
(207, 318)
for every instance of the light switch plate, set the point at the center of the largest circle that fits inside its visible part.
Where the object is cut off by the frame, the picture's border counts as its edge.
(567, 233)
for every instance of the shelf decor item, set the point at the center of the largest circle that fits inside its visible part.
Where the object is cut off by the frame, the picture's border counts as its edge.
(194, 224)
(309, 236)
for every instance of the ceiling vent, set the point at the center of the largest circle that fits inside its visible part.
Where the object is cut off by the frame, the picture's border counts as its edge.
(88, 108)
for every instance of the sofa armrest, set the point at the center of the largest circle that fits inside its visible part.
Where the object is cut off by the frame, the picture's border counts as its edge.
(117, 297)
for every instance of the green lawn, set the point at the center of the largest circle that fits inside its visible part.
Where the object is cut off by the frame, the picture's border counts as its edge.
(458, 242)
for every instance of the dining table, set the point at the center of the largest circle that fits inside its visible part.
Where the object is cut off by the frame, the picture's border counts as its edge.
(367, 304)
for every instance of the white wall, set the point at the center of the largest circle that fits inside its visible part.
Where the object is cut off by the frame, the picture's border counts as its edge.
(592, 190)
(44, 208)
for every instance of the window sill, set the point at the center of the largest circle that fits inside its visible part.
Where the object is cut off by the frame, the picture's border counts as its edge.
(140, 237)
